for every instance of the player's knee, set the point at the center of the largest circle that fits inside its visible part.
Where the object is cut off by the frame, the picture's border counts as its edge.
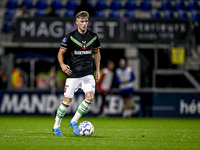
(68, 100)
(89, 96)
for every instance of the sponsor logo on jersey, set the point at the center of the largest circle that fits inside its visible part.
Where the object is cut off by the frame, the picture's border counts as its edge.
(82, 52)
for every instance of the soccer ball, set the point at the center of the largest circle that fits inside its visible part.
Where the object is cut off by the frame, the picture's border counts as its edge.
(86, 128)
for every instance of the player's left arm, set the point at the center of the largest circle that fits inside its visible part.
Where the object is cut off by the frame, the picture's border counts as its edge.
(97, 58)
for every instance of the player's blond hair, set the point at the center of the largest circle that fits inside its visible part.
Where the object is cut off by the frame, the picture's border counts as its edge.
(82, 14)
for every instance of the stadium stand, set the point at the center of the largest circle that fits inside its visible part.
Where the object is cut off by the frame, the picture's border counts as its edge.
(28, 3)
(114, 14)
(56, 4)
(106, 8)
(168, 15)
(129, 14)
(9, 14)
(12, 4)
(71, 5)
(193, 5)
(115, 5)
(165, 5)
(40, 13)
(145, 5)
(179, 5)
(195, 16)
(155, 15)
(69, 13)
(100, 5)
(100, 14)
(41, 5)
(7, 26)
(130, 5)
(182, 15)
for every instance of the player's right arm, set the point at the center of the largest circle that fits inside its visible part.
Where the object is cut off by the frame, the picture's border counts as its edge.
(65, 68)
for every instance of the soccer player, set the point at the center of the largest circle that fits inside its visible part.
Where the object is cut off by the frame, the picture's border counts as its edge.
(124, 78)
(81, 47)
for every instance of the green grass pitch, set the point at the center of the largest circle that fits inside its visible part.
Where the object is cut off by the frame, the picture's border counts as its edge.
(35, 133)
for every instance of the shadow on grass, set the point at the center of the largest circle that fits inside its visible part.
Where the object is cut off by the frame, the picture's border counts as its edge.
(91, 137)
(48, 134)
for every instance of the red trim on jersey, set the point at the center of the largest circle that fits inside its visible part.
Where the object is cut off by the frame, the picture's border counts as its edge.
(97, 48)
(63, 48)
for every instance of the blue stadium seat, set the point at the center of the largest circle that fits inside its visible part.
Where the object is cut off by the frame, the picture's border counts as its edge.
(179, 5)
(130, 5)
(155, 15)
(145, 5)
(195, 16)
(7, 26)
(99, 14)
(11, 4)
(193, 5)
(115, 5)
(28, 3)
(129, 14)
(40, 13)
(56, 4)
(9, 15)
(100, 5)
(41, 4)
(71, 5)
(169, 15)
(57, 12)
(166, 5)
(69, 13)
(114, 14)
(182, 15)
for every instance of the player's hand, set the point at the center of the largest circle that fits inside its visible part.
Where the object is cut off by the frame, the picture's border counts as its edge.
(97, 76)
(66, 69)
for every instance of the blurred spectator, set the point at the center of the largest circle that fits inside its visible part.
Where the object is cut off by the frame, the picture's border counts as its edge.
(3, 78)
(105, 83)
(86, 7)
(17, 79)
(51, 12)
(22, 12)
(60, 79)
(124, 78)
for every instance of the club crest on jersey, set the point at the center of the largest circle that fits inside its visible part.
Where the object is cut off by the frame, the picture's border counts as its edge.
(84, 45)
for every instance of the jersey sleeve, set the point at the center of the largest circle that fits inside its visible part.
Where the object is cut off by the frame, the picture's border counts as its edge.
(64, 42)
(97, 44)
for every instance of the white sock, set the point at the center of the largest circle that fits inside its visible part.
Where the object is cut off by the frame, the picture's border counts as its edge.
(60, 113)
(57, 122)
(127, 113)
(82, 108)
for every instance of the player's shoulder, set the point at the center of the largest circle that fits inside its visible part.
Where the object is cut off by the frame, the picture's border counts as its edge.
(118, 70)
(129, 68)
(105, 70)
(70, 33)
